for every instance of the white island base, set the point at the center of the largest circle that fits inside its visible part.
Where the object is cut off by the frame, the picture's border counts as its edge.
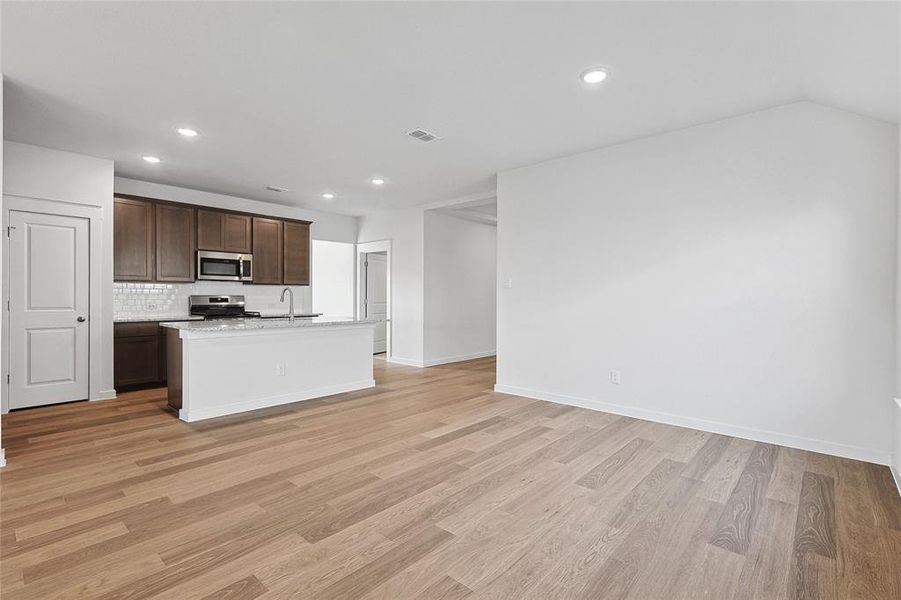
(217, 369)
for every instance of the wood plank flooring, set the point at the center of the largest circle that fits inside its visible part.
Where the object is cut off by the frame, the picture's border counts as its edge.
(429, 486)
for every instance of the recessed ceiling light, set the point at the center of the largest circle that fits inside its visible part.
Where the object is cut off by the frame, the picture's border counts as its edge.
(378, 181)
(593, 75)
(151, 159)
(187, 131)
(328, 195)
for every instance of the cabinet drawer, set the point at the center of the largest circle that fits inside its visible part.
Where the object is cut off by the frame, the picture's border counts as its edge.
(121, 330)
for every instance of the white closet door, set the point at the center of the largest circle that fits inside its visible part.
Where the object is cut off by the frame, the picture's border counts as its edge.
(377, 297)
(48, 312)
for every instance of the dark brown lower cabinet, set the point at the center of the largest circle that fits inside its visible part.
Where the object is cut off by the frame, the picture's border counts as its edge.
(139, 355)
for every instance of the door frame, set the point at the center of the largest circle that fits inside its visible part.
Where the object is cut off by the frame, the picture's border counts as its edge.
(95, 286)
(364, 248)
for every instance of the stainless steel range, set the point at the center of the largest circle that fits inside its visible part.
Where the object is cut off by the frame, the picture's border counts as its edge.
(219, 307)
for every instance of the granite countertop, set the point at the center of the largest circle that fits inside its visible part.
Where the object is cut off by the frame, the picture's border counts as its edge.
(154, 318)
(159, 318)
(274, 314)
(257, 324)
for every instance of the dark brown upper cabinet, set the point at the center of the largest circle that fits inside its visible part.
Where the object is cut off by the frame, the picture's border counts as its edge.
(174, 242)
(236, 232)
(133, 240)
(268, 257)
(209, 229)
(157, 240)
(222, 231)
(297, 253)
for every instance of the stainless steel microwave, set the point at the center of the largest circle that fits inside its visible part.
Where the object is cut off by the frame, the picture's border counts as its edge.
(224, 266)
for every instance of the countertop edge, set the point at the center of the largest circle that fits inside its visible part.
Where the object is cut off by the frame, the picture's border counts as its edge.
(187, 331)
(161, 319)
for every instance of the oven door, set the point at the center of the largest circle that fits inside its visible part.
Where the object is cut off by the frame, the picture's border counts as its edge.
(224, 266)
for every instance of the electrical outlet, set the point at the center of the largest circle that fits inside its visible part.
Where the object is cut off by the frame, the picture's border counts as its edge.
(508, 283)
(280, 369)
(614, 377)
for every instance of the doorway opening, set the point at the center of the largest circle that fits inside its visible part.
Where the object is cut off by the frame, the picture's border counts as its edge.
(374, 291)
(375, 297)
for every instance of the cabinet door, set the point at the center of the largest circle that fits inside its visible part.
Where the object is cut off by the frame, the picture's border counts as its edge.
(132, 240)
(209, 229)
(174, 243)
(136, 360)
(267, 250)
(297, 253)
(223, 232)
(236, 233)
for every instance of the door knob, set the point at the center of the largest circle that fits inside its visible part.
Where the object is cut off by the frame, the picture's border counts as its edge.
(81, 319)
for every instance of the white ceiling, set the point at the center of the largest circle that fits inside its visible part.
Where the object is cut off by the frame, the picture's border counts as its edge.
(318, 96)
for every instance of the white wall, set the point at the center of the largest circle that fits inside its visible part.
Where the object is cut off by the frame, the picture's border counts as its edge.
(896, 463)
(32, 173)
(326, 226)
(2, 351)
(333, 278)
(739, 275)
(460, 273)
(404, 228)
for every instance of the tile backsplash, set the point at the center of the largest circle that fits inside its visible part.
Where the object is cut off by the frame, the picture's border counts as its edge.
(133, 300)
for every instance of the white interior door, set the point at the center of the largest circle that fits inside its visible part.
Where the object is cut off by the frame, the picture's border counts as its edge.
(48, 309)
(376, 301)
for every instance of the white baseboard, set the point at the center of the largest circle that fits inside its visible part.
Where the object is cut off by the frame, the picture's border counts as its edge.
(199, 414)
(758, 435)
(104, 395)
(896, 427)
(460, 358)
(409, 362)
(434, 362)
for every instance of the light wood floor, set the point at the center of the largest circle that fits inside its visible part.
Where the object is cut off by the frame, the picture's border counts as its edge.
(429, 487)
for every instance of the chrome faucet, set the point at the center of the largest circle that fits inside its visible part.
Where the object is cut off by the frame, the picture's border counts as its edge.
(290, 304)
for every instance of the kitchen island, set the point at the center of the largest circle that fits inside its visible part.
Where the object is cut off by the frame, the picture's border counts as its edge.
(224, 367)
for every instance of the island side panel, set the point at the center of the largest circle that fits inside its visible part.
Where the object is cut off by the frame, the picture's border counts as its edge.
(232, 372)
(174, 368)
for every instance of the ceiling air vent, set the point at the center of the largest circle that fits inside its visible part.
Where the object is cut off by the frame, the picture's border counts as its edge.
(275, 188)
(422, 135)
